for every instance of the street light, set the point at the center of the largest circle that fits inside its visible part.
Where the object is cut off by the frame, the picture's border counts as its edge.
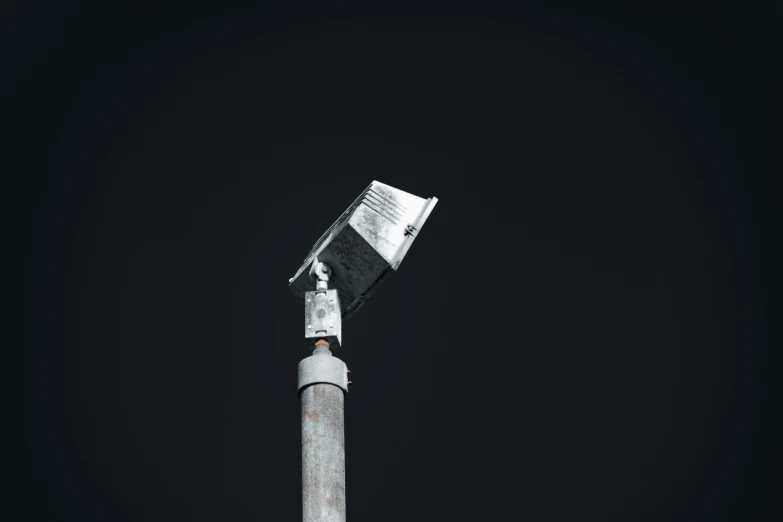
(343, 269)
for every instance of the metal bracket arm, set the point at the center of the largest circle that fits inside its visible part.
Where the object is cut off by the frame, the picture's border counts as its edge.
(323, 317)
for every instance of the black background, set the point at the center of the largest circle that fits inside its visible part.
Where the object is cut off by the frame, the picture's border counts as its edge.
(580, 332)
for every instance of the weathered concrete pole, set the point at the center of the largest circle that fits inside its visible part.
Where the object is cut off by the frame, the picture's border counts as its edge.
(323, 382)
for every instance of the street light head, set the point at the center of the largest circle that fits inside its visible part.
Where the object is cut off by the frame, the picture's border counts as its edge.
(368, 240)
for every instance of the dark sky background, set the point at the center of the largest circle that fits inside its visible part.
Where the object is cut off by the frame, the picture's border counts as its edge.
(579, 333)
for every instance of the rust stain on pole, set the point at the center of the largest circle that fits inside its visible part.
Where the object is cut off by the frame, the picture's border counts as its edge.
(323, 453)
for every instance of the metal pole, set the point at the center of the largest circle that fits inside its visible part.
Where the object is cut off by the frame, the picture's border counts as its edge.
(323, 382)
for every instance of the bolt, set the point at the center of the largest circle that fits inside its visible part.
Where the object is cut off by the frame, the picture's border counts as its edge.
(308, 326)
(349, 382)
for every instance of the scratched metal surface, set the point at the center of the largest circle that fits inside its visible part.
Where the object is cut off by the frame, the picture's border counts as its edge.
(323, 454)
